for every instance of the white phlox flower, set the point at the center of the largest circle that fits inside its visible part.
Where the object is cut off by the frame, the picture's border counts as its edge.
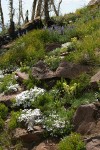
(31, 118)
(25, 98)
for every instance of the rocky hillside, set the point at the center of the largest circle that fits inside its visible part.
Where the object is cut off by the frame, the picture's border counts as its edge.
(50, 86)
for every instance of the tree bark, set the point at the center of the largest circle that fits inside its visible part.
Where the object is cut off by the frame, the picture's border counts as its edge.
(34, 9)
(46, 10)
(1, 15)
(56, 10)
(20, 13)
(11, 14)
(59, 6)
(39, 6)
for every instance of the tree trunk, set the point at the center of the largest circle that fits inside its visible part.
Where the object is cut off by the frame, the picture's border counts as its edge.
(20, 12)
(46, 11)
(1, 15)
(11, 10)
(59, 6)
(54, 7)
(39, 6)
(33, 9)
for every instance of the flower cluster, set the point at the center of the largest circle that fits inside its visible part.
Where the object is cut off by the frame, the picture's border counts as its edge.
(30, 118)
(25, 98)
(55, 124)
(29, 114)
(13, 88)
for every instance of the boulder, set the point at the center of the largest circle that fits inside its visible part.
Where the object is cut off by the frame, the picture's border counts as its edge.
(95, 80)
(87, 119)
(7, 100)
(47, 145)
(21, 76)
(70, 70)
(28, 137)
(41, 71)
(93, 143)
(42, 146)
(65, 70)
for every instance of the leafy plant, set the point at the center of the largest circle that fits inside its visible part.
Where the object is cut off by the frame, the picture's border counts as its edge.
(6, 82)
(5, 140)
(13, 121)
(31, 82)
(85, 98)
(43, 102)
(58, 122)
(53, 61)
(82, 82)
(3, 111)
(19, 145)
(1, 123)
(72, 142)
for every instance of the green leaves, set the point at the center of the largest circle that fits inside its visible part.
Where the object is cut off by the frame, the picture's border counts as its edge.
(72, 142)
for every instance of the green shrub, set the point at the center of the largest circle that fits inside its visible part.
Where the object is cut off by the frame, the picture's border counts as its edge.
(31, 82)
(72, 142)
(13, 121)
(86, 50)
(1, 123)
(5, 139)
(6, 82)
(1, 148)
(18, 145)
(58, 122)
(27, 49)
(24, 68)
(44, 102)
(85, 98)
(83, 82)
(71, 32)
(3, 111)
(53, 61)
